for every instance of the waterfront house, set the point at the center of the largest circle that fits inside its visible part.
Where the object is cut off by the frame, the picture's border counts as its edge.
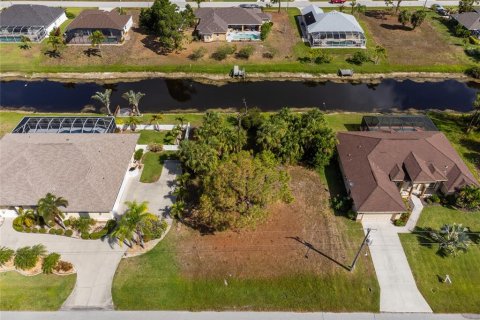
(382, 168)
(113, 25)
(230, 24)
(470, 21)
(88, 169)
(32, 21)
(331, 30)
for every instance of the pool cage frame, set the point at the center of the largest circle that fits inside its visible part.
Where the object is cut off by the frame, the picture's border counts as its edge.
(66, 125)
(399, 123)
(337, 39)
(15, 33)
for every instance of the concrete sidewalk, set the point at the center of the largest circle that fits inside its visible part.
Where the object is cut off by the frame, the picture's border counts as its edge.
(185, 315)
(398, 290)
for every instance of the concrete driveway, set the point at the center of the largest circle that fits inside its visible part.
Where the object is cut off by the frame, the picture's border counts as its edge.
(398, 290)
(94, 260)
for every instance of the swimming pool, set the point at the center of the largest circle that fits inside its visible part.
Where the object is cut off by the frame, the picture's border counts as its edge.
(244, 36)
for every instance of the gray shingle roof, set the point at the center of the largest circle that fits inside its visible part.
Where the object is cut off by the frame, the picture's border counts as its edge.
(217, 20)
(29, 15)
(85, 169)
(470, 20)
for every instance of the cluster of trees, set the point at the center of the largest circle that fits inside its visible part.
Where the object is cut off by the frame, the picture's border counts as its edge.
(234, 168)
(131, 96)
(468, 197)
(166, 22)
(415, 18)
(466, 5)
(374, 55)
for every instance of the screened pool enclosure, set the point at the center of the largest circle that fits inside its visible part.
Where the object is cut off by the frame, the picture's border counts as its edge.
(66, 125)
(329, 39)
(15, 33)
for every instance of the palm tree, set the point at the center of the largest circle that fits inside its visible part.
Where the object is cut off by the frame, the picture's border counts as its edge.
(27, 217)
(476, 114)
(96, 38)
(198, 2)
(353, 4)
(181, 119)
(132, 122)
(104, 98)
(48, 208)
(133, 223)
(55, 42)
(452, 238)
(134, 100)
(25, 42)
(379, 52)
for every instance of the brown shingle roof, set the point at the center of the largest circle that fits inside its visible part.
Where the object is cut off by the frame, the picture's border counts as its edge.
(85, 169)
(99, 19)
(371, 160)
(217, 20)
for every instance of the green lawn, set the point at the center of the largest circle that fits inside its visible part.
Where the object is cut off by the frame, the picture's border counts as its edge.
(428, 267)
(152, 136)
(38, 293)
(153, 164)
(153, 282)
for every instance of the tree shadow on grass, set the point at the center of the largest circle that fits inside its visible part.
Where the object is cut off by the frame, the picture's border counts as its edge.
(52, 53)
(92, 52)
(311, 247)
(151, 42)
(395, 27)
(352, 126)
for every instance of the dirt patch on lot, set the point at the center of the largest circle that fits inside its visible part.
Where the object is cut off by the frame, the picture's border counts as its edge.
(139, 49)
(271, 249)
(422, 46)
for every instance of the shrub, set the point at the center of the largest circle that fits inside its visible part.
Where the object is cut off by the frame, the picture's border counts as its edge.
(85, 235)
(155, 147)
(461, 32)
(417, 18)
(223, 52)
(198, 54)
(67, 223)
(51, 224)
(34, 230)
(50, 262)
(473, 40)
(51, 231)
(68, 233)
(110, 225)
(63, 266)
(268, 55)
(18, 228)
(98, 234)
(82, 224)
(42, 230)
(434, 198)
(245, 52)
(402, 221)
(352, 215)
(28, 230)
(5, 255)
(474, 72)
(323, 57)
(58, 232)
(138, 154)
(70, 15)
(265, 30)
(154, 229)
(468, 197)
(27, 257)
(341, 203)
(358, 58)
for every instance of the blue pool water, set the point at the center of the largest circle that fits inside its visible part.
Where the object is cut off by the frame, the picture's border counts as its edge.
(244, 36)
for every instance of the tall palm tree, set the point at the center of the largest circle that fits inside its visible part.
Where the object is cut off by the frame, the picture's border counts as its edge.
(48, 208)
(379, 52)
(104, 98)
(452, 238)
(132, 122)
(132, 224)
(134, 100)
(96, 39)
(476, 114)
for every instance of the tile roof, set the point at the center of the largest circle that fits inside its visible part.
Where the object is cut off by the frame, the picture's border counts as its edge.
(217, 20)
(29, 15)
(85, 169)
(99, 19)
(373, 160)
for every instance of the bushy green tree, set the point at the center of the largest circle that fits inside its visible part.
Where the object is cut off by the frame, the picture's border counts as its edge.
(5, 255)
(404, 17)
(237, 191)
(164, 21)
(198, 158)
(417, 18)
(465, 6)
(468, 197)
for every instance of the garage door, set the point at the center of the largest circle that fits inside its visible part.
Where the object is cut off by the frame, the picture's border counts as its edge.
(378, 217)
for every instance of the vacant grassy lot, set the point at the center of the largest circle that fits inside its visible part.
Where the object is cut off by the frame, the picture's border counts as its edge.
(429, 268)
(38, 293)
(407, 51)
(261, 269)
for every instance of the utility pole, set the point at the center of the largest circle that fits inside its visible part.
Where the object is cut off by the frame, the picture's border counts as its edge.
(352, 267)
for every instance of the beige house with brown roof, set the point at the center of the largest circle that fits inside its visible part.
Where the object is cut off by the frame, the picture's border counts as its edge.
(88, 170)
(381, 168)
(230, 24)
(113, 25)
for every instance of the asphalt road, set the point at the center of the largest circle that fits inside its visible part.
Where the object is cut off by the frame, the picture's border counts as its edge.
(181, 4)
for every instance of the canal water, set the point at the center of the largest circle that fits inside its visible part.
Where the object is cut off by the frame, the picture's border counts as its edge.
(184, 94)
